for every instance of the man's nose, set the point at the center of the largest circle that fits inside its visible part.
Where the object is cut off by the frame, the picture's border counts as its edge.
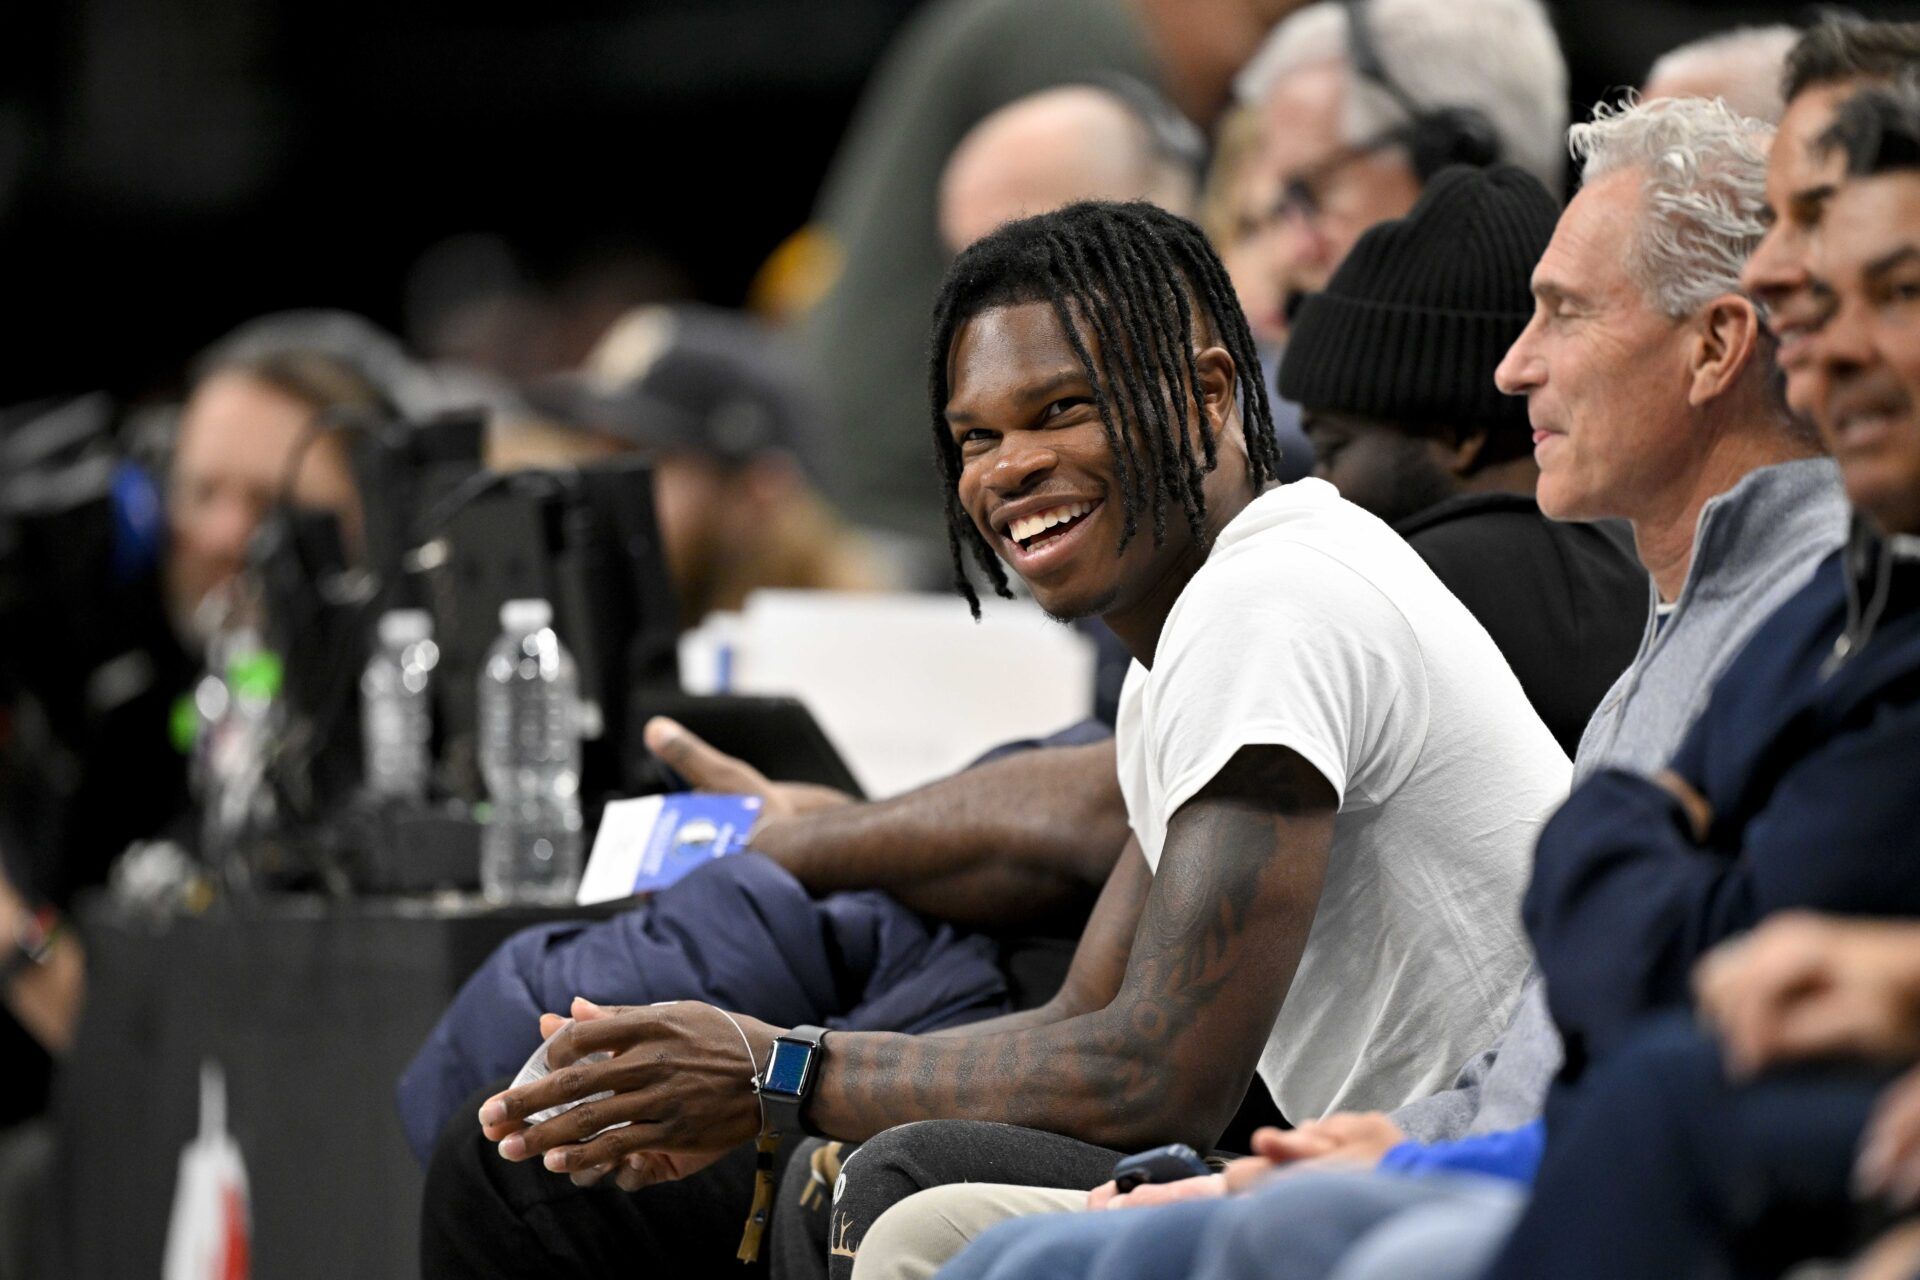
(1774, 271)
(1023, 459)
(1521, 370)
(226, 525)
(1843, 344)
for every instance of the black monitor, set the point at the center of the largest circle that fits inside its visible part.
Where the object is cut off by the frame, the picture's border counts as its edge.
(585, 540)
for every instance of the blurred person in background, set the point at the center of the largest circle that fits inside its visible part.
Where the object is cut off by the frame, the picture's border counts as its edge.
(1234, 202)
(1743, 67)
(1345, 111)
(1116, 140)
(98, 763)
(714, 402)
(1361, 102)
(476, 301)
(254, 432)
(875, 236)
(87, 770)
(42, 985)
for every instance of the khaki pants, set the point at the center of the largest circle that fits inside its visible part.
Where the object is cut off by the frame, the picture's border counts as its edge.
(916, 1237)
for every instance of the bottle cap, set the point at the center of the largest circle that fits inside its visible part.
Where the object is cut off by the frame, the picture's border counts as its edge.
(405, 626)
(525, 615)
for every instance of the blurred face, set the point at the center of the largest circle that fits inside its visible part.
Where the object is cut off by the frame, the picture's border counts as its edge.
(1604, 372)
(1863, 367)
(1325, 191)
(1249, 254)
(692, 508)
(1373, 465)
(1038, 478)
(237, 439)
(1799, 185)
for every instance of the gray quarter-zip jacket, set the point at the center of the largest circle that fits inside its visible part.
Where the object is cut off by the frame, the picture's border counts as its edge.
(1755, 546)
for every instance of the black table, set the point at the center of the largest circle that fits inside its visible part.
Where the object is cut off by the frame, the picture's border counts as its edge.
(313, 1009)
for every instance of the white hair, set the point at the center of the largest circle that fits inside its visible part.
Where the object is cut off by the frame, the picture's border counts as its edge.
(1498, 57)
(1703, 191)
(1743, 66)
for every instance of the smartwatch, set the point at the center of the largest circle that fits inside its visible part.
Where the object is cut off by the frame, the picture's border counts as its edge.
(788, 1081)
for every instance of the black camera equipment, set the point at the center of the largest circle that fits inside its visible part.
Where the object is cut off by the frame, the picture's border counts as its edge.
(88, 663)
(441, 533)
(79, 539)
(319, 606)
(585, 540)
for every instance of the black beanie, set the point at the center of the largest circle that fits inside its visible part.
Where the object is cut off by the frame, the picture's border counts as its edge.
(1413, 324)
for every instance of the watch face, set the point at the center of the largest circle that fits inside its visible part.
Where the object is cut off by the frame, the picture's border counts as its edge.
(787, 1071)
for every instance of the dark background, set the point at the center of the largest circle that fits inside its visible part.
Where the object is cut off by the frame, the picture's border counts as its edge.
(171, 167)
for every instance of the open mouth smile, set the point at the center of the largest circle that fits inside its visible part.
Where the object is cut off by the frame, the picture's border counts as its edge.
(1867, 425)
(1035, 540)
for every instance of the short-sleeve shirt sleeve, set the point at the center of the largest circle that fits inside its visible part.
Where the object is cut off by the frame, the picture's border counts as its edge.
(1249, 657)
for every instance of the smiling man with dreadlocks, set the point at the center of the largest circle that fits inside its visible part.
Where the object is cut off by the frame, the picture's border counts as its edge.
(1332, 780)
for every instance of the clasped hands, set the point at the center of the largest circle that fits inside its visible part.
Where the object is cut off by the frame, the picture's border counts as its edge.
(680, 1084)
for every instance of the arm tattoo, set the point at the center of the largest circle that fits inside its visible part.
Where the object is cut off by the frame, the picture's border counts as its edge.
(1170, 1052)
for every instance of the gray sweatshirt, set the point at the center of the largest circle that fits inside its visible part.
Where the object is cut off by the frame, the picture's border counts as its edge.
(1755, 545)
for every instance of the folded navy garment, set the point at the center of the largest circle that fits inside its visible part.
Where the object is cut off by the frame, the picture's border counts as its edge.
(739, 933)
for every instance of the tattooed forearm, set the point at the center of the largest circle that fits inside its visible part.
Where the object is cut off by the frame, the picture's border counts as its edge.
(1169, 1054)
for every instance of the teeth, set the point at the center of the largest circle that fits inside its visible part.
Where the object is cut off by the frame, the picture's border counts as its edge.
(1850, 421)
(1029, 526)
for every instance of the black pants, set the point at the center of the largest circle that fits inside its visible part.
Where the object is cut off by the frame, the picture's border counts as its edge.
(485, 1217)
(817, 1234)
(1662, 1167)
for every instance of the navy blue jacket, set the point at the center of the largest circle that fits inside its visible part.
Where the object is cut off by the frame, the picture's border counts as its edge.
(1809, 754)
(740, 933)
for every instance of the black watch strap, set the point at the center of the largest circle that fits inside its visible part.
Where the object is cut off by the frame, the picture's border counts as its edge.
(787, 1083)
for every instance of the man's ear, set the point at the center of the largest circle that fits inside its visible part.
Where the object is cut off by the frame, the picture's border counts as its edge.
(1218, 378)
(1457, 452)
(1726, 339)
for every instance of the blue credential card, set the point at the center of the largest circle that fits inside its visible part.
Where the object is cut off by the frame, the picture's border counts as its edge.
(647, 844)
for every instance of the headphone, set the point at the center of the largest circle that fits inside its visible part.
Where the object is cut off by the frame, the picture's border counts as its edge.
(1174, 138)
(1434, 137)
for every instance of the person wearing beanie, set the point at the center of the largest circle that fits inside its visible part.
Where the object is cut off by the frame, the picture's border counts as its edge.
(1392, 364)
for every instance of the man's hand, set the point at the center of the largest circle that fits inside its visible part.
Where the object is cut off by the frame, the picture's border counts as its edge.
(639, 1169)
(1805, 986)
(1349, 1138)
(1889, 1165)
(681, 1084)
(711, 770)
(1108, 1195)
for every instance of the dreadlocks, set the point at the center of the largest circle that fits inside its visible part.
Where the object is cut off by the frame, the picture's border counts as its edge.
(1131, 275)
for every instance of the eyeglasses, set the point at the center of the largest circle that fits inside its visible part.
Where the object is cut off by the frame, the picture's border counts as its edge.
(1303, 194)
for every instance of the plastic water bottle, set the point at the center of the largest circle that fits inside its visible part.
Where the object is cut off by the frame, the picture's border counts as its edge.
(530, 757)
(396, 721)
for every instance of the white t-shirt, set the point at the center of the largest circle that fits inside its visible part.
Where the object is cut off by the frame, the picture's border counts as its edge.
(1313, 626)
